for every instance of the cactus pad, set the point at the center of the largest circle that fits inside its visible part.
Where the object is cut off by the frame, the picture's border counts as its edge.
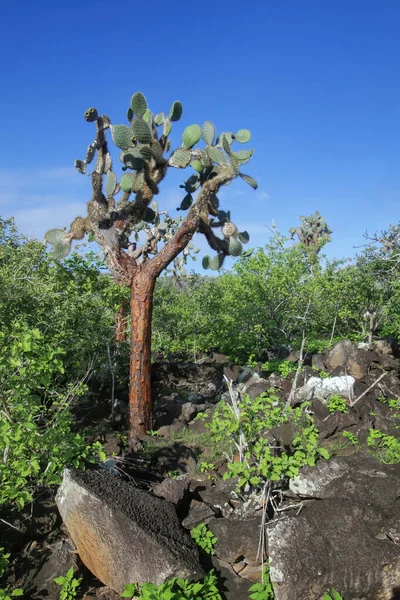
(180, 158)
(244, 237)
(159, 119)
(122, 136)
(229, 229)
(138, 104)
(176, 111)
(243, 136)
(186, 202)
(208, 132)
(127, 182)
(216, 155)
(55, 235)
(61, 249)
(133, 162)
(197, 165)
(206, 262)
(141, 131)
(91, 115)
(191, 136)
(249, 180)
(235, 247)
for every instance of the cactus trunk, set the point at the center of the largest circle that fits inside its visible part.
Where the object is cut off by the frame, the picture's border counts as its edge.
(140, 403)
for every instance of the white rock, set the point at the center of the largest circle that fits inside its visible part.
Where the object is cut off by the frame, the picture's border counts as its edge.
(323, 389)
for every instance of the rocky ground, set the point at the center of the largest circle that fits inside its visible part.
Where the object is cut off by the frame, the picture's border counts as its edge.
(334, 525)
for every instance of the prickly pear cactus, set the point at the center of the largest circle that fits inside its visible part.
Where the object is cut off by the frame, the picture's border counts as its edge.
(122, 213)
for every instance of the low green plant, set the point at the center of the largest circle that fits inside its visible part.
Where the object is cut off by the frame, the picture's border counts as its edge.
(337, 403)
(264, 589)
(351, 437)
(5, 593)
(283, 367)
(385, 448)
(333, 595)
(246, 427)
(324, 374)
(204, 538)
(394, 405)
(69, 585)
(175, 589)
(205, 466)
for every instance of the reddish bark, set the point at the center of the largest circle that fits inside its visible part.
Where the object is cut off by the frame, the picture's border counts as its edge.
(140, 402)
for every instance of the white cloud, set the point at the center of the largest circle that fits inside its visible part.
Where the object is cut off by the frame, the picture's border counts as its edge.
(262, 195)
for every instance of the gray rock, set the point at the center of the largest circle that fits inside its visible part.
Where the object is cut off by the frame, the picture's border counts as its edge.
(198, 513)
(257, 387)
(188, 412)
(323, 389)
(237, 540)
(346, 356)
(317, 361)
(345, 536)
(124, 534)
(173, 490)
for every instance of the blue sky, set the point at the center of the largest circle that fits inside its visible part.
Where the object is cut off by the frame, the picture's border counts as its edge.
(316, 82)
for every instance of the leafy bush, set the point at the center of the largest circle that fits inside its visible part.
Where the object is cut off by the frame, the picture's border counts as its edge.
(264, 589)
(175, 589)
(71, 303)
(5, 593)
(337, 403)
(36, 427)
(69, 585)
(247, 424)
(283, 367)
(384, 447)
(204, 538)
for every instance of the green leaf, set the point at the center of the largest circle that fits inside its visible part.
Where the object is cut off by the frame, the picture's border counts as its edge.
(141, 131)
(176, 111)
(324, 453)
(191, 136)
(139, 104)
(249, 180)
(243, 136)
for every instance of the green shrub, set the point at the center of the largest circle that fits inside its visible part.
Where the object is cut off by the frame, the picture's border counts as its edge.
(175, 589)
(69, 585)
(204, 538)
(36, 427)
(246, 427)
(337, 403)
(5, 593)
(385, 448)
